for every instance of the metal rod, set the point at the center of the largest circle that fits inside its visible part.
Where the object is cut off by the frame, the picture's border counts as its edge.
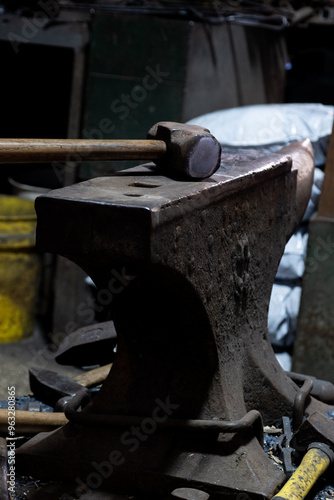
(78, 150)
(300, 403)
(252, 419)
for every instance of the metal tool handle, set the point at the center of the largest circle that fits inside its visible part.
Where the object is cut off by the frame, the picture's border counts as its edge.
(78, 150)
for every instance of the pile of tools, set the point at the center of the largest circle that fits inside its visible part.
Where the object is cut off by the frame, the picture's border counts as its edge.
(51, 390)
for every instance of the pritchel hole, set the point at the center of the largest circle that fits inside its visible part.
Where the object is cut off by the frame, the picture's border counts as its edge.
(143, 185)
(190, 494)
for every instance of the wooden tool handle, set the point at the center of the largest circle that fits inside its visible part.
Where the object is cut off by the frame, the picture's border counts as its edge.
(326, 202)
(93, 377)
(31, 422)
(78, 150)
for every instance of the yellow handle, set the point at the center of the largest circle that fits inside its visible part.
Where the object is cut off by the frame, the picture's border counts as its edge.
(313, 465)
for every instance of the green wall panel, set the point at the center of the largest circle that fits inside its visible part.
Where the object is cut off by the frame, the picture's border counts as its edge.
(125, 45)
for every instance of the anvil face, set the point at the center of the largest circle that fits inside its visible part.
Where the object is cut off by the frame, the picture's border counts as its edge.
(136, 201)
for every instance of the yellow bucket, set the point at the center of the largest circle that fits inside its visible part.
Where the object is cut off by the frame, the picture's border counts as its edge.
(19, 268)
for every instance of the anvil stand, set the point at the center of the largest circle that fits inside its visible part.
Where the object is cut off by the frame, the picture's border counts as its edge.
(187, 268)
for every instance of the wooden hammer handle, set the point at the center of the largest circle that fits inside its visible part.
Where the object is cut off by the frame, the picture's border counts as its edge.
(93, 377)
(78, 150)
(326, 202)
(31, 422)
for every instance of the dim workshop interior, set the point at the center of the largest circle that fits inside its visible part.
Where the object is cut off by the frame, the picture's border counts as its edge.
(167, 250)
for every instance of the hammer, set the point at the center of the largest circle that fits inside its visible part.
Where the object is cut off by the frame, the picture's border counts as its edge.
(178, 149)
(51, 387)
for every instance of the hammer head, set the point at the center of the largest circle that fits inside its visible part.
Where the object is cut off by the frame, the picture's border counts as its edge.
(316, 428)
(89, 345)
(49, 386)
(192, 152)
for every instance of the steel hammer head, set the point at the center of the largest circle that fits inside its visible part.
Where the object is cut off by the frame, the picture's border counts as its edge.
(192, 152)
(317, 428)
(49, 386)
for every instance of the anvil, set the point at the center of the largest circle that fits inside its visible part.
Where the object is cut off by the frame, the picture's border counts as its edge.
(186, 268)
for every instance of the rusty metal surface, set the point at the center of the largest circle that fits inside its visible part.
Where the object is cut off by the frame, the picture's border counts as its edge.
(191, 266)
